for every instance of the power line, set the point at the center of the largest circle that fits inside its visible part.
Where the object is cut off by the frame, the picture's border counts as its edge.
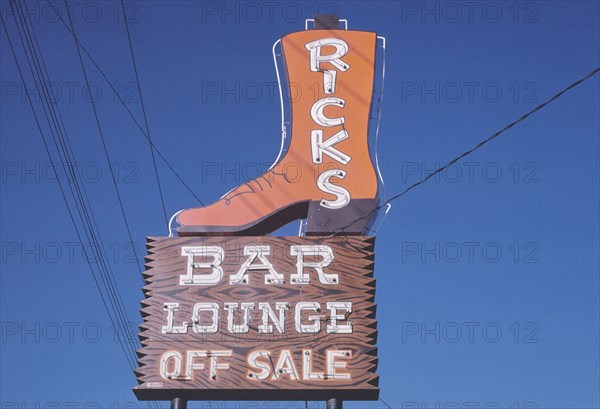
(137, 80)
(166, 162)
(50, 122)
(108, 161)
(111, 298)
(62, 143)
(476, 147)
(385, 403)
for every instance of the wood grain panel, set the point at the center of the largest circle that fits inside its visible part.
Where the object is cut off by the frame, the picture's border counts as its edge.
(354, 264)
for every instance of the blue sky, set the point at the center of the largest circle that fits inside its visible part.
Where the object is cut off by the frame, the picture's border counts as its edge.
(488, 288)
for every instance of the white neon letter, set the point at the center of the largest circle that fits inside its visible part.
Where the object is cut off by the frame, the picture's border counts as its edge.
(216, 273)
(319, 147)
(307, 373)
(214, 365)
(300, 277)
(329, 77)
(170, 308)
(238, 328)
(317, 114)
(164, 360)
(335, 59)
(265, 370)
(252, 253)
(316, 319)
(334, 327)
(191, 366)
(285, 365)
(265, 327)
(205, 329)
(342, 195)
(332, 365)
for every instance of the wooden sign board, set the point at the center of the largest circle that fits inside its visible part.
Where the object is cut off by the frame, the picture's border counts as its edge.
(259, 318)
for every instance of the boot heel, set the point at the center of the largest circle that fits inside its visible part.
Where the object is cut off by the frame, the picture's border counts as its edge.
(353, 219)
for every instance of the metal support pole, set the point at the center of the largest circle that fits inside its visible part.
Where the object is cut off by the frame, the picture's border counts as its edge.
(178, 403)
(334, 403)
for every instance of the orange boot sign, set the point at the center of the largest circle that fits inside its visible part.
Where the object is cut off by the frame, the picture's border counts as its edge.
(329, 133)
(234, 314)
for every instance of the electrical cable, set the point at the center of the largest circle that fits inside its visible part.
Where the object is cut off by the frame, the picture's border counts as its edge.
(27, 34)
(106, 154)
(64, 150)
(137, 80)
(385, 403)
(47, 149)
(110, 84)
(476, 147)
(26, 39)
(77, 192)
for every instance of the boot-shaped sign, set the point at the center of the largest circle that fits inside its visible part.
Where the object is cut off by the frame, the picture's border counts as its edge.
(329, 134)
(232, 314)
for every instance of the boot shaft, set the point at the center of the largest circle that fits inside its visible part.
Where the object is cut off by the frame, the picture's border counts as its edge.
(330, 77)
